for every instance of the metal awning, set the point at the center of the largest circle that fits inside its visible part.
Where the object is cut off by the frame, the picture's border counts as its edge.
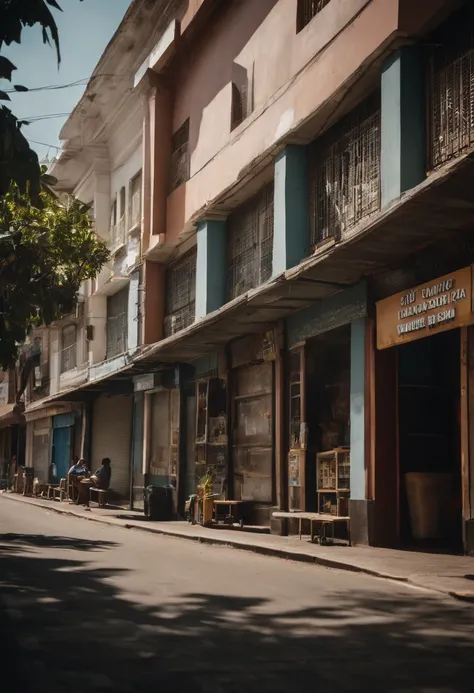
(440, 206)
(436, 209)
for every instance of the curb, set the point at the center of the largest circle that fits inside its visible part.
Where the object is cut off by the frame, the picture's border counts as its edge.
(467, 597)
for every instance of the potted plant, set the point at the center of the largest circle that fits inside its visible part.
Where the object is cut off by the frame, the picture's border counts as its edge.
(204, 489)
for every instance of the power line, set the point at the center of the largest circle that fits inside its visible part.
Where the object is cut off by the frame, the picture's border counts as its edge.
(51, 87)
(46, 116)
(44, 144)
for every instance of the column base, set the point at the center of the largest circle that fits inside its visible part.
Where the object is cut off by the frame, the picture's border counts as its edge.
(361, 513)
(470, 537)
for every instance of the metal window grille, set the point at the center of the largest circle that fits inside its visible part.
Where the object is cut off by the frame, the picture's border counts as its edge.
(68, 348)
(117, 323)
(250, 244)
(181, 293)
(344, 172)
(451, 90)
(180, 156)
(306, 10)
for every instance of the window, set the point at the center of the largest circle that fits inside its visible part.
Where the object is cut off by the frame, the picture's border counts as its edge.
(122, 202)
(135, 204)
(242, 94)
(113, 213)
(250, 244)
(180, 156)
(181, 293)
(117, 323)
(68, 348)
(344, 172)
(451, 89)
(306, 10)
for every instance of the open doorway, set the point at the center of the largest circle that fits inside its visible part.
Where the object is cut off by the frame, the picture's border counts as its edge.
(430, 489)
(328, 364)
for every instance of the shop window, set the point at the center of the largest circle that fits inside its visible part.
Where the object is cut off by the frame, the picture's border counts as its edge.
(180, 156)
(117, 323)
(68, 348)
(344, 172)
(211, 431)
(181, 293)
(306, 10)
(451, 89)
(135, 205)
(250, 244)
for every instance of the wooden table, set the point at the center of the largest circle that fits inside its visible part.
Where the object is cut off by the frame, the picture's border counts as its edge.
(324, 521)
(233, 514)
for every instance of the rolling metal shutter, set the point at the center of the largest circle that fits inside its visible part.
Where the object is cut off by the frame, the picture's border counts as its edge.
(111, 437)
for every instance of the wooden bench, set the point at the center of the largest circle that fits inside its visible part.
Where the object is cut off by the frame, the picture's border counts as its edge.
(101, 499)
(318, 521)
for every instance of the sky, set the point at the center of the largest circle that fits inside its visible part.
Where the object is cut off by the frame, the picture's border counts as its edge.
(85, 28)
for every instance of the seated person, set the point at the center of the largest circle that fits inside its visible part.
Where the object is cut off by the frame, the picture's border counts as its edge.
(78, 468)
(101, 479)
(102, 476)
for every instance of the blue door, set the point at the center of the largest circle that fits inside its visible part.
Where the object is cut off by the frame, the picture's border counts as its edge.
(63, 427)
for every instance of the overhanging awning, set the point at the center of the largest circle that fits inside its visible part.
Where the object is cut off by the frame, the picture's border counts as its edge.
(11, 414)
(436, 209)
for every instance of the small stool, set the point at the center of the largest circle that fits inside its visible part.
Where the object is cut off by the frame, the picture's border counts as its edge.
(101, 496)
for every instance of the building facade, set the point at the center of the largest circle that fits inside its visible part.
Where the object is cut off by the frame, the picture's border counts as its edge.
(302, 173)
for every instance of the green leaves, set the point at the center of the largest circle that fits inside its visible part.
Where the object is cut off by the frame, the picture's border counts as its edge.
(19, 163)
(45, 255)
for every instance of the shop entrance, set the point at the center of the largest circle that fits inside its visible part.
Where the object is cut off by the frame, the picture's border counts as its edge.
(429, 442)
(319, 423)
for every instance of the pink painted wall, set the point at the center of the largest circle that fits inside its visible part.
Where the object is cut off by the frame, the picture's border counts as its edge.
(294, 76)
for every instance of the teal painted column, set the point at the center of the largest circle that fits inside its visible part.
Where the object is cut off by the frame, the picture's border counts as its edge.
(211, 267)
(403, 127)
(291, 209)
(358, 333)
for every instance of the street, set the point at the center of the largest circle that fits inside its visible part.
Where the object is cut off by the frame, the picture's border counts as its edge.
(97, 608)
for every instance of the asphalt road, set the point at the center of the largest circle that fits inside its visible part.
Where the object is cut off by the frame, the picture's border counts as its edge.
(94, 608)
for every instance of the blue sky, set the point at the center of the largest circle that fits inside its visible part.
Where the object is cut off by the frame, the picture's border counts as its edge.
(85, 28)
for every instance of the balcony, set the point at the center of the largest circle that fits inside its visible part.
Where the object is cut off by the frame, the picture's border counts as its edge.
(117, 236)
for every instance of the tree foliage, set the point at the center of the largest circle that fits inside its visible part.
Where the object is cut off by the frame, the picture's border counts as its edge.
(18, 162)
(46, 252)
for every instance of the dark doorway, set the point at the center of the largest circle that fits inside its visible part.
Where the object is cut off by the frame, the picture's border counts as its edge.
(430, 491)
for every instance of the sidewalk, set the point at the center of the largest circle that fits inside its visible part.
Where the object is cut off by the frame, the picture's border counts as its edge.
(448, 574)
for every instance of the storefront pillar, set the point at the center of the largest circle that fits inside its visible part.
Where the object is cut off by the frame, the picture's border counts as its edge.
(291, 209)
(403, 145)
(211, 266)
(359, 434)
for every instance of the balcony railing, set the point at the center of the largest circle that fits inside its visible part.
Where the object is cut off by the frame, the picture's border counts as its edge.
(117, 235)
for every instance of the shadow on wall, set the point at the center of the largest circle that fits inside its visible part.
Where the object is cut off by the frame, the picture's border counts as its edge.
(220, 73)
(80, 634)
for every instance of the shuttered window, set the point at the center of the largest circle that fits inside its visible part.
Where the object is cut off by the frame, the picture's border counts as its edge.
(250, 244)
(117, 323)
(68, 348)
(180, 156)
(344, 172)
(181, 293)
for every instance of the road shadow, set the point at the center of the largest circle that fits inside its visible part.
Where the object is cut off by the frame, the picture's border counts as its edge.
(78, 631)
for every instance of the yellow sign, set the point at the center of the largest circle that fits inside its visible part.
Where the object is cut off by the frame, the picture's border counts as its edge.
(440, 305)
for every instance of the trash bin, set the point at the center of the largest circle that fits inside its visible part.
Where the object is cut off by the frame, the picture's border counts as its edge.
(429, 503)
(158, 502)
